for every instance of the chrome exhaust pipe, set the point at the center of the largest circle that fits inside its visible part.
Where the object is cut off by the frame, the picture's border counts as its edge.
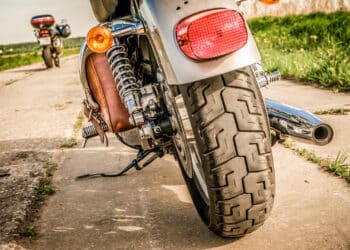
(287, 120)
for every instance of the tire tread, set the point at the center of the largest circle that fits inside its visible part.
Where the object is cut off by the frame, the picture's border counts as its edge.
(237, 159)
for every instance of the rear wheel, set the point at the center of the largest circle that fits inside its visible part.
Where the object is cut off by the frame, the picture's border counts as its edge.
(57, 61)
(228, 142)
(47, 56)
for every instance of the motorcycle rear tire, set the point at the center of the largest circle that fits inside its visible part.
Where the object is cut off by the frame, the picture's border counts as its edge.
(47, 56)
(57, 62)
(233, 140)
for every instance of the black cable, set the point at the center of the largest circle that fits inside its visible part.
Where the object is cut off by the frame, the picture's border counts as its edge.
(138, 147)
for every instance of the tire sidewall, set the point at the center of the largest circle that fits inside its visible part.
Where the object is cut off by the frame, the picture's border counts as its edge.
(47, 56)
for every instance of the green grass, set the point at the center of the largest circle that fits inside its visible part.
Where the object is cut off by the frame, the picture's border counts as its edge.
(73, 42)
(71, 51)
(30, 47)
(44, 187)
(333, 111)
(19, 60)
(26, 59)
(338, 166)
(73, 141)
(28, 232)
(311, 48)
(15, 55)
(19, 48)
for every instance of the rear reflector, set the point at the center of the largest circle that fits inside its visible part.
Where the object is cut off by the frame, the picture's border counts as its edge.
(44, 33)
(211, 34)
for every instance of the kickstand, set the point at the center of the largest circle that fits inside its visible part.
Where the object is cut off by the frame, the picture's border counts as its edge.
(158, 153)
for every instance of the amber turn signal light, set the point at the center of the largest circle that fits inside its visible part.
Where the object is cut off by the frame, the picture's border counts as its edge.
(269, 1)
(99, 39)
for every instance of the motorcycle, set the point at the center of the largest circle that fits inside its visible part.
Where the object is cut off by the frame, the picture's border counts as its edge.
(49, 37)
(183, 78)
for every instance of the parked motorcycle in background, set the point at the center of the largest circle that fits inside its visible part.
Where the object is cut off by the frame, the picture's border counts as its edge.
(183, 78)
(50, 36)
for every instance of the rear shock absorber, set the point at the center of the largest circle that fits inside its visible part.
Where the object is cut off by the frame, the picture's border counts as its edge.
(124, 76)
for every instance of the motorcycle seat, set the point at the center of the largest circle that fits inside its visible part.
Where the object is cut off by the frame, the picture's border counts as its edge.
(103, 9)
(106, 10)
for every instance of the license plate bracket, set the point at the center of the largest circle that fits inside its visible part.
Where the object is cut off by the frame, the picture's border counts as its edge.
(45, 41)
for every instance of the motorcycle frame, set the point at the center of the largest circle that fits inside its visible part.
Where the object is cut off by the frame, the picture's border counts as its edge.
(157, 20)
(52, 39)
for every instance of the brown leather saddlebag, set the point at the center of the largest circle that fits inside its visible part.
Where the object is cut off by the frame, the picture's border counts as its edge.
(105, 93)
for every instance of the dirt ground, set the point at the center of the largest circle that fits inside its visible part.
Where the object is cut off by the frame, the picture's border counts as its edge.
(22, 172)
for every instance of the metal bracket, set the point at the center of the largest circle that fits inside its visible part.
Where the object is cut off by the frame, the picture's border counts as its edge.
(262, 78)
(158, 153)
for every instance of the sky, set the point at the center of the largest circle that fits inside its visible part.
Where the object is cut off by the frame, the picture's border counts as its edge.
(15, 17)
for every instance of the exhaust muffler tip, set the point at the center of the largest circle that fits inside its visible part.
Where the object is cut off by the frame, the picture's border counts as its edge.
(322, 134)
(301, 124)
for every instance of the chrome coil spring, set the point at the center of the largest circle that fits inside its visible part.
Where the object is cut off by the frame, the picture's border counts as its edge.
(273, 76)
(91, 131)
(122, 71)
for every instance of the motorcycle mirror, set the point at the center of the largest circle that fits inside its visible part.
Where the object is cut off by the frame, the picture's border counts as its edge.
(269, 1)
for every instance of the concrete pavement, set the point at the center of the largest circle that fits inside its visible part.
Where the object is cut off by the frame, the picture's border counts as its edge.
(152, 210)
(39, 103)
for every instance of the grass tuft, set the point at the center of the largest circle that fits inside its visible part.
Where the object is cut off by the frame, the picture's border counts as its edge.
(333, 111)
(337, 166)
(72, 142)
(44, 188)
(28, 232)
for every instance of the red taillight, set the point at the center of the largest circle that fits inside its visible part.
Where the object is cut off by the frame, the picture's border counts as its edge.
(211, 34)
(44, 33)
